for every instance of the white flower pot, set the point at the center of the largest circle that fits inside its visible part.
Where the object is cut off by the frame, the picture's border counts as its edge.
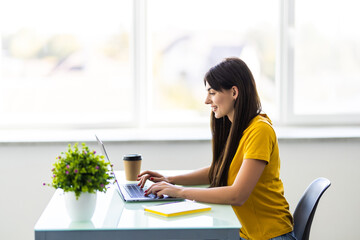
(81, 209)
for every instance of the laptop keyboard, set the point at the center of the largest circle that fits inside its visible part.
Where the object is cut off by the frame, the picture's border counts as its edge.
(136, 192)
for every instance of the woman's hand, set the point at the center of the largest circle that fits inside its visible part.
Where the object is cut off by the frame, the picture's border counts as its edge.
(164, 188)
(153, 176)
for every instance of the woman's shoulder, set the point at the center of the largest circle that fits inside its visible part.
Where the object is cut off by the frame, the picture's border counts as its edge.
(261, 123)
(260, 120)
(259, 133)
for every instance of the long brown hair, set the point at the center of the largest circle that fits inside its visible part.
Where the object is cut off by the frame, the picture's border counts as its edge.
(226, 135)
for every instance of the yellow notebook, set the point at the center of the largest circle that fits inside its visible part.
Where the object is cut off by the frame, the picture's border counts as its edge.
(177, 208)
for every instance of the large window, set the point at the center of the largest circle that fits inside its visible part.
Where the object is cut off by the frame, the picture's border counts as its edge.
(66, 63)
(327, 58)
(113, 63)
(319, 62)
(188, 37)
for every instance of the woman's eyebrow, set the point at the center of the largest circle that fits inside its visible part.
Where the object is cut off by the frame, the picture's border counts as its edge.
(210, 88)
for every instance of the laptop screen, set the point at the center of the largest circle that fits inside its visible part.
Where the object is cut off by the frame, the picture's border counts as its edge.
(102, 147)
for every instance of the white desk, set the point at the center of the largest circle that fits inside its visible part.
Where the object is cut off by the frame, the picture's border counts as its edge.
(115, 219)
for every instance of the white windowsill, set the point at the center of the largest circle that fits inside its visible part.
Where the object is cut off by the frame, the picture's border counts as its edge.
(165, 134)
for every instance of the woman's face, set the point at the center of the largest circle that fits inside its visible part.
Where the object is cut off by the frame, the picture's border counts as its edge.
(222, 103)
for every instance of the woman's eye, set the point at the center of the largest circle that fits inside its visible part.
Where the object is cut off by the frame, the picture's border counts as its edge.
(211, 93)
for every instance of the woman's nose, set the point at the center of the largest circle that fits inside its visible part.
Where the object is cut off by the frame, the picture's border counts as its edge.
(207, 100)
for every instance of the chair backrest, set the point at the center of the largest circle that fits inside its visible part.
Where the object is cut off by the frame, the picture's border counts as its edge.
(305, 210)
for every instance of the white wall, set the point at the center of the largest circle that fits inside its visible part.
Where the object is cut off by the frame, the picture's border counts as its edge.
(25, 166)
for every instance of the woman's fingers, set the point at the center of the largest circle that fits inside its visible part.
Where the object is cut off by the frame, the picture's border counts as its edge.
(157, 179)
(158, 189)
(149, 175)
(152, 189)
(142, 180)
(144, 173)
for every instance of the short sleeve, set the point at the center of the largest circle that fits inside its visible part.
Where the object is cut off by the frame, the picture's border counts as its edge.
(260, 141)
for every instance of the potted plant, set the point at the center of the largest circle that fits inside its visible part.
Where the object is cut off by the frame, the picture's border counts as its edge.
(81, 174)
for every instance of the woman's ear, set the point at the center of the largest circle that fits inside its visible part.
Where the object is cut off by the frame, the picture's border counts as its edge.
(235, 92)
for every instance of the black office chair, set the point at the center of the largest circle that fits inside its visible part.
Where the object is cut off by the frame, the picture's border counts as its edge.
(305, 210)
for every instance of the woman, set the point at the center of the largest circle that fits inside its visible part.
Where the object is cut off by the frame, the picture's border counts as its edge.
(245, 168)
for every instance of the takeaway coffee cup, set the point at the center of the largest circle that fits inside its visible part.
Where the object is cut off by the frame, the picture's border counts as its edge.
(132, 165)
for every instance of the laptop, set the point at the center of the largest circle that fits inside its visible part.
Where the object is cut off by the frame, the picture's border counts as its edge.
(132, 192)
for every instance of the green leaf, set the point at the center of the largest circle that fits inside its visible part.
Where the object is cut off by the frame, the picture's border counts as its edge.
(92, 171)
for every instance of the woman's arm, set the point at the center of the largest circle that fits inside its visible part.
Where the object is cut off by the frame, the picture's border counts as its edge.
(197, 177)
(236, 194)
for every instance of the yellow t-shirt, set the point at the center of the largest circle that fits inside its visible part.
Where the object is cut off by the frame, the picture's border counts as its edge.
(266, 213)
